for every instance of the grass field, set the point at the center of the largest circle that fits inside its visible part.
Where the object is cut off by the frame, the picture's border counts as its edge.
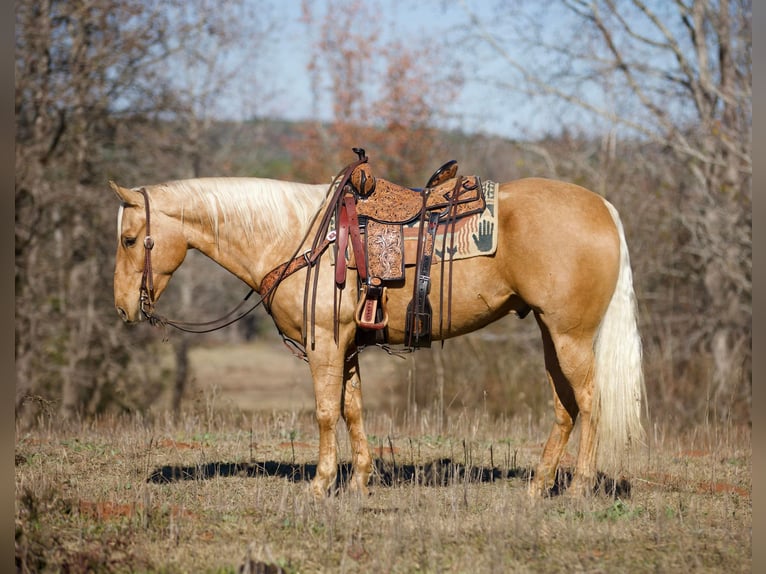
(224, 489)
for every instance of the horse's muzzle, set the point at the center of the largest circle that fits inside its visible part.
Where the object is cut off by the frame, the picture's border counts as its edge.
(125, 317)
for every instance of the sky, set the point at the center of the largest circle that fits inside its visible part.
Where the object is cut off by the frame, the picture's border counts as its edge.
(538, 37)
(480, 108)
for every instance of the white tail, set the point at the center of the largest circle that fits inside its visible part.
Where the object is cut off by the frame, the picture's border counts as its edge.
(619, 386)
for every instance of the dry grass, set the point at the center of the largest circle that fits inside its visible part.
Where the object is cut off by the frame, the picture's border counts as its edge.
(224, 488)
(218, 490)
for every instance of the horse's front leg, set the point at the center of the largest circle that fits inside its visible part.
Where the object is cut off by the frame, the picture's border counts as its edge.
(327, 373)
(352, 414)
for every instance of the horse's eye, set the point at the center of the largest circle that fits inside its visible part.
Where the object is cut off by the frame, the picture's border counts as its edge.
(129, 241)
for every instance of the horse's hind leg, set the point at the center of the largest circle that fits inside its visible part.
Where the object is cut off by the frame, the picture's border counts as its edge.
(352, 414)
(566, 411)
(582, 375)
(569, 362)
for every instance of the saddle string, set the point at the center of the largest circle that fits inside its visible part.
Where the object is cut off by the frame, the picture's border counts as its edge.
(450, 223)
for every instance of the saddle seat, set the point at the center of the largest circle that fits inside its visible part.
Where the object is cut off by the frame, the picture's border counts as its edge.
(388, 202)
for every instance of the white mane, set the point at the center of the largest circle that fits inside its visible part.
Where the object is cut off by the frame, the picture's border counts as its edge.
(119, 221)
(247, 206)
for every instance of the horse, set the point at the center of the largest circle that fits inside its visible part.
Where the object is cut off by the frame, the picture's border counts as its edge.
(561, 254)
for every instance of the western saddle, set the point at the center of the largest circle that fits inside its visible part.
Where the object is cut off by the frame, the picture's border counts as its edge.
(371, 213)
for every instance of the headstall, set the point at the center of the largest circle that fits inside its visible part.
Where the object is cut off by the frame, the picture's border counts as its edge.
(147, 278)
(146, 292)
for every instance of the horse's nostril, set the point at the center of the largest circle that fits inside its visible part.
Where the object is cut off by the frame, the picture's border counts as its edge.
(121, 312)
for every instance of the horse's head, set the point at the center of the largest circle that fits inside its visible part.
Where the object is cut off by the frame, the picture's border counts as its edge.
(143, 266)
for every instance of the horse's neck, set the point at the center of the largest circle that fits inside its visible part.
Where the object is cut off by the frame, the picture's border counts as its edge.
(248, 226)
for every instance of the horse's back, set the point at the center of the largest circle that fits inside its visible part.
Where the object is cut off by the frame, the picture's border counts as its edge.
(534, 204)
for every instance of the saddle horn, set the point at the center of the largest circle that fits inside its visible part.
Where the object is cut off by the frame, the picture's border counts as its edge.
(360, 153)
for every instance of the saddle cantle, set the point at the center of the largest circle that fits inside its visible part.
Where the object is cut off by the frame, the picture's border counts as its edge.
(374, 213)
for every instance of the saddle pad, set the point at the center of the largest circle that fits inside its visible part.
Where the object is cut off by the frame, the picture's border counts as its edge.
(475, 235)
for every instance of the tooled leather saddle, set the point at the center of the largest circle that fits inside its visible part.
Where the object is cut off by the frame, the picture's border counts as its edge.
(373, 214)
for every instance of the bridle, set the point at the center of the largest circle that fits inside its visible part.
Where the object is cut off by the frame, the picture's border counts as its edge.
(268, 285)
(146, 292)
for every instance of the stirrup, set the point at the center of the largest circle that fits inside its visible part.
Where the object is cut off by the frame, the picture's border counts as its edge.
(371, 312)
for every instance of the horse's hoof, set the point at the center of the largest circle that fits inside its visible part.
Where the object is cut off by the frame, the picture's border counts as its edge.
(579, 488)
(538, 489)
(318, 490)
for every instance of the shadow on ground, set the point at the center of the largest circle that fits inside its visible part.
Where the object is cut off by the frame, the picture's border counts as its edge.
(439, 472)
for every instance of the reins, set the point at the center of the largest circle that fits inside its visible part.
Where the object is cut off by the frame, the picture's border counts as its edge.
(332, 211)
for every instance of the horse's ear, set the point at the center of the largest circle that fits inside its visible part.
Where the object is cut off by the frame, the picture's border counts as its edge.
(127, 196)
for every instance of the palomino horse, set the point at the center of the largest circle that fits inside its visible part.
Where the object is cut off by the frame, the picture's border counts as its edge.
(561, 253)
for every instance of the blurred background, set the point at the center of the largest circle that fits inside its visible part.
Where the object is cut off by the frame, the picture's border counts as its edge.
(645, 102)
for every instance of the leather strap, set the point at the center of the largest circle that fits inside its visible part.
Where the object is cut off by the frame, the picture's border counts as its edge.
(338, 187)
(147, 277)
(340, 261)
(418, 319)
(449, 227)
(349, 203)
(284, 270)
(348, 224)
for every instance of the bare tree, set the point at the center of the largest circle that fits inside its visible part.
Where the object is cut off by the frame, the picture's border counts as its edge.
(386, 94)
(92, 79)
(214, 75)
(673, 79)
(74, 64)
